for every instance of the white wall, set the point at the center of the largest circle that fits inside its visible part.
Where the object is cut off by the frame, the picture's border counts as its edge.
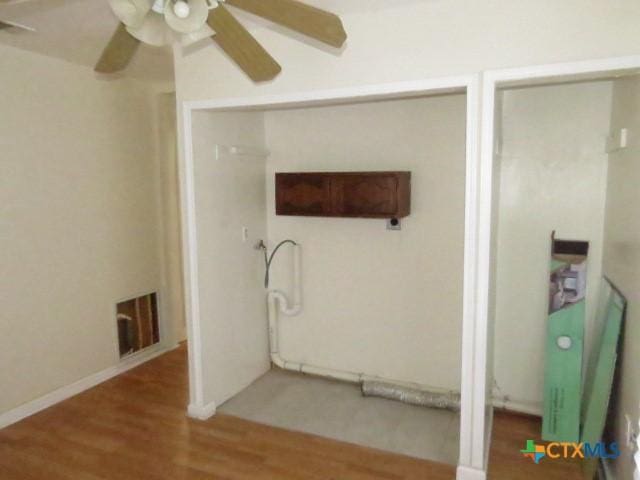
(78, 221)
(421, 40)
(385, 303)
(553, 177)
(169, 215)
(229, 195)
(622, 254)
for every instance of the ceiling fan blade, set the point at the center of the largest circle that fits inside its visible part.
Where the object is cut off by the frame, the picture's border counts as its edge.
(118, 52)
(5, 24)
(311, 21)
(240, 45)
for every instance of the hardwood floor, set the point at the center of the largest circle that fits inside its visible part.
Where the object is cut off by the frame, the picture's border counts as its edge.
(510, 433)
(134, 427)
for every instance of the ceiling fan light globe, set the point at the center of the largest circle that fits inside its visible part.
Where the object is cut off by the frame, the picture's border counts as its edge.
(130, 12)
(181, 9)
(197, 12)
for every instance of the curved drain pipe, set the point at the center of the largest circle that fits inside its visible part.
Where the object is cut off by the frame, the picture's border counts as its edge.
(277, 303)
(408, 392)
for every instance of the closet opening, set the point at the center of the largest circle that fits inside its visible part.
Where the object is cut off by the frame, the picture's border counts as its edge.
(563, 177)
(353, 296)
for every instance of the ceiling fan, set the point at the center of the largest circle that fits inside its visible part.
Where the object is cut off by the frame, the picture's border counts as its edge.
(160, 22)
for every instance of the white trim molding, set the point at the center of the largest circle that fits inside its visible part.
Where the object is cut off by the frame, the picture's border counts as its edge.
(190, 255)
(468, 473)
(562, 72)
(472, 430)
(363, 93)
(201, 412)
(474, 368)
(34, 406)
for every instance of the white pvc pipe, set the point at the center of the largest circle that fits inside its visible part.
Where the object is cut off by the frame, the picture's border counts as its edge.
(277, 299)
(297, 280)
(277, 302)
(283, 303)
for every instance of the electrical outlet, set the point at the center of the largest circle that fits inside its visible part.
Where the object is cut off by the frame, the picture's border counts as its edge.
(394, 224)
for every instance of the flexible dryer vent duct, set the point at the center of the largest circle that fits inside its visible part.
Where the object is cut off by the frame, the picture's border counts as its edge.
(448, 401)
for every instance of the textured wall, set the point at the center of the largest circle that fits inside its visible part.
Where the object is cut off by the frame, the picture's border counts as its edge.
(553, 171)
(385, 303)
(78, 222)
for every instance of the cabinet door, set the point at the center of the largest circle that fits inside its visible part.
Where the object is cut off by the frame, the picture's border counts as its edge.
(365, 195)
(303, 194)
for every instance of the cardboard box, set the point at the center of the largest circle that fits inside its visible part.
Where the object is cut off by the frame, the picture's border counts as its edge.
(565, 340)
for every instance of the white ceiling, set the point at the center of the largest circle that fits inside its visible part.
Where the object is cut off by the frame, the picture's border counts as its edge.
(78, 30)
(345, 7)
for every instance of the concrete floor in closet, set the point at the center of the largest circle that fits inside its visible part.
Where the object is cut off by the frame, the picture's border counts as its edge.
(338, 410)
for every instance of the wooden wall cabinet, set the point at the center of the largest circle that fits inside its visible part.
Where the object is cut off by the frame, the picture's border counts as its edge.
(344, 194)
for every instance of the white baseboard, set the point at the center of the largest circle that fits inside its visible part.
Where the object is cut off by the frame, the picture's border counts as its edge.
(518, 407)
(30, 408)
(468, 473)
(488, 438)
(202, 412)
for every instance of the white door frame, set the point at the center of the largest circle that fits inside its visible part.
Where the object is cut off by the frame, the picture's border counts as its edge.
(491, 81)
(473, 375)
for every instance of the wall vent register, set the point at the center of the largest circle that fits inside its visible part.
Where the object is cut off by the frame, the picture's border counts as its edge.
(137, 320)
